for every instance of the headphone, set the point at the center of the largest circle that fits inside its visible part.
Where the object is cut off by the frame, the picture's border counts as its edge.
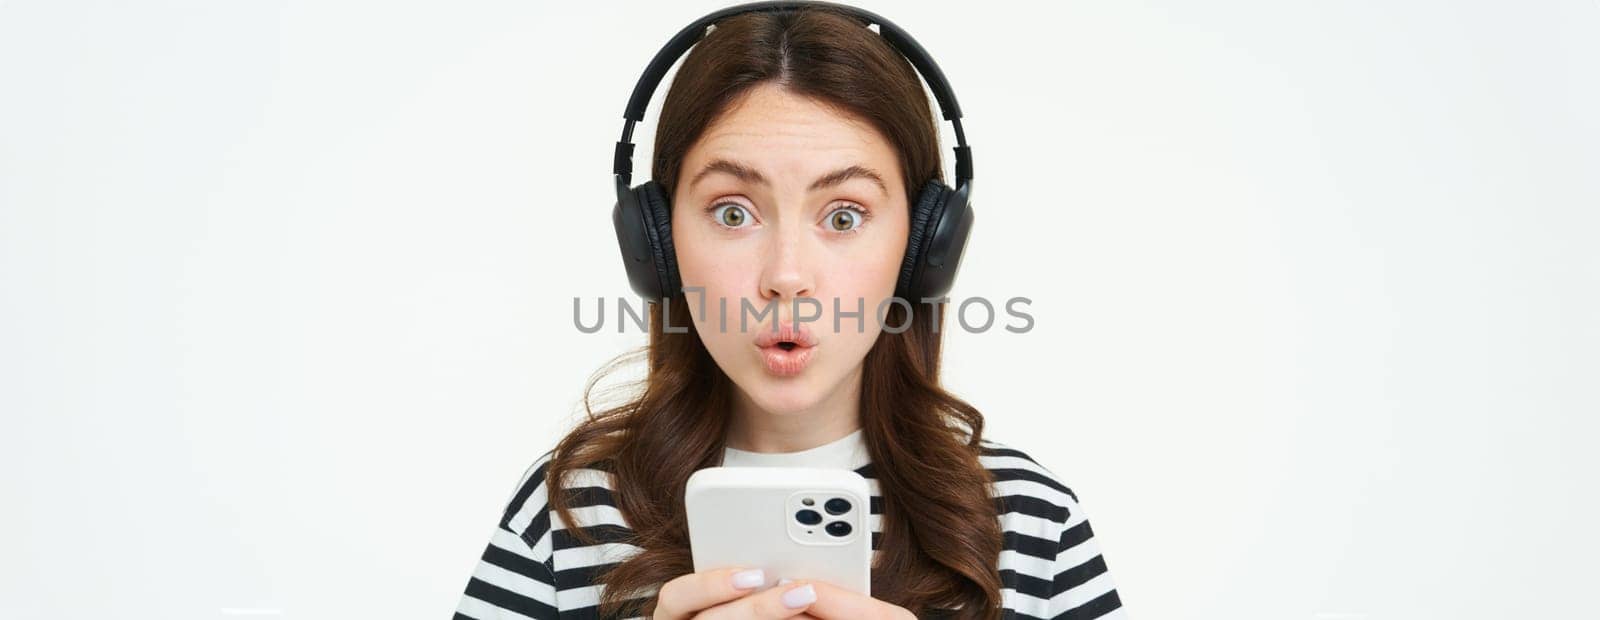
(941, 216)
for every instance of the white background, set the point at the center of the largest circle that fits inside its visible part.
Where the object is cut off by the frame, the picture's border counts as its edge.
(287, 292)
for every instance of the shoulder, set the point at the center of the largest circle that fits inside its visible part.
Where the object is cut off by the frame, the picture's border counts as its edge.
(1049, 551)
(587, 490)
(1023, 483)
(526, 514)
(1011, 463)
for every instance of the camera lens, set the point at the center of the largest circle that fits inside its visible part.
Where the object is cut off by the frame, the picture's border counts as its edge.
(808, 517)
(837, 506)
(839, 528)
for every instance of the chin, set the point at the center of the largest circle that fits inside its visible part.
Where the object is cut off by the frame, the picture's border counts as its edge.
(784, 395)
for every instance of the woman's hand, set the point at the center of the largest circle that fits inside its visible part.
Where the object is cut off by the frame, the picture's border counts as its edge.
(836, 603)
(726, 594)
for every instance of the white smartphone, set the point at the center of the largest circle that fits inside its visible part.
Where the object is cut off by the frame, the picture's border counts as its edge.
(793, 522)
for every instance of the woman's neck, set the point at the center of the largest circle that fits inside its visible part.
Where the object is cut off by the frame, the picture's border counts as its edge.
(755, 429)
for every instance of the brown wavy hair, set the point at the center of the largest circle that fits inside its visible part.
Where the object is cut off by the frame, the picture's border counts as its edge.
(941, 535)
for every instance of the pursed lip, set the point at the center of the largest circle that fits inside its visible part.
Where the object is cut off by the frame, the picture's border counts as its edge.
(787, 331)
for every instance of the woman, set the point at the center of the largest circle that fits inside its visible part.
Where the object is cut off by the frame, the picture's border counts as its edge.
(791, 145)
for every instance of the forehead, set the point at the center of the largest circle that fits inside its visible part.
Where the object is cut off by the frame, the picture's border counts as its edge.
(784, 134)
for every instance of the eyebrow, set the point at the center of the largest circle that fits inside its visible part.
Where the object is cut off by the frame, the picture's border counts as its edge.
(750, 175)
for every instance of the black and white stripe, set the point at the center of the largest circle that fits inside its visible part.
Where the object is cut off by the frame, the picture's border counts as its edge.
(534, 567)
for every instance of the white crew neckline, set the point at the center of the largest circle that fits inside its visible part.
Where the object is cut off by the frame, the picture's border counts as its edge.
(847, 452)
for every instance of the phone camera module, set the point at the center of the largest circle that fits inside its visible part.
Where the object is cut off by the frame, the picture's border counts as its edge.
(839, 528)
(808, 517)
(837, 506)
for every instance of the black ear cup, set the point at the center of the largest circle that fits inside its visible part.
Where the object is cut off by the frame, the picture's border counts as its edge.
(642, 218)
(940, 256)
(927, 204)
(657, 211)
(940, 221)
(638, 255)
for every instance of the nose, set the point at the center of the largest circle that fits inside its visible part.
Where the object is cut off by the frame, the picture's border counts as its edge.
(787, 272)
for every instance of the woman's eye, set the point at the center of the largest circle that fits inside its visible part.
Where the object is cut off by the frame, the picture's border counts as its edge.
(846, 219)
(730, 215)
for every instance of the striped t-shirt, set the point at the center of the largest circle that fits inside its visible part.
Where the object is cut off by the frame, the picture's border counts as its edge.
(1050, 564)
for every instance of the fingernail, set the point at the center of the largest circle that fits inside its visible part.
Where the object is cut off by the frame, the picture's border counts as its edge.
(800, 597)
(785, 581)
(748, 578)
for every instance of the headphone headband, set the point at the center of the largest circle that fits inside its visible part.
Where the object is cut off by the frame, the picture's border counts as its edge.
(622, 160)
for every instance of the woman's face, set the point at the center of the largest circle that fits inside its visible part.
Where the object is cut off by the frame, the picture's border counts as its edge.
(783, 197)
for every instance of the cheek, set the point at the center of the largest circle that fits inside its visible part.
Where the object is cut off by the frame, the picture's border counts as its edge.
(868, 278)
(870, 270)
(724, 271)
(861, 281)
(708, 261)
